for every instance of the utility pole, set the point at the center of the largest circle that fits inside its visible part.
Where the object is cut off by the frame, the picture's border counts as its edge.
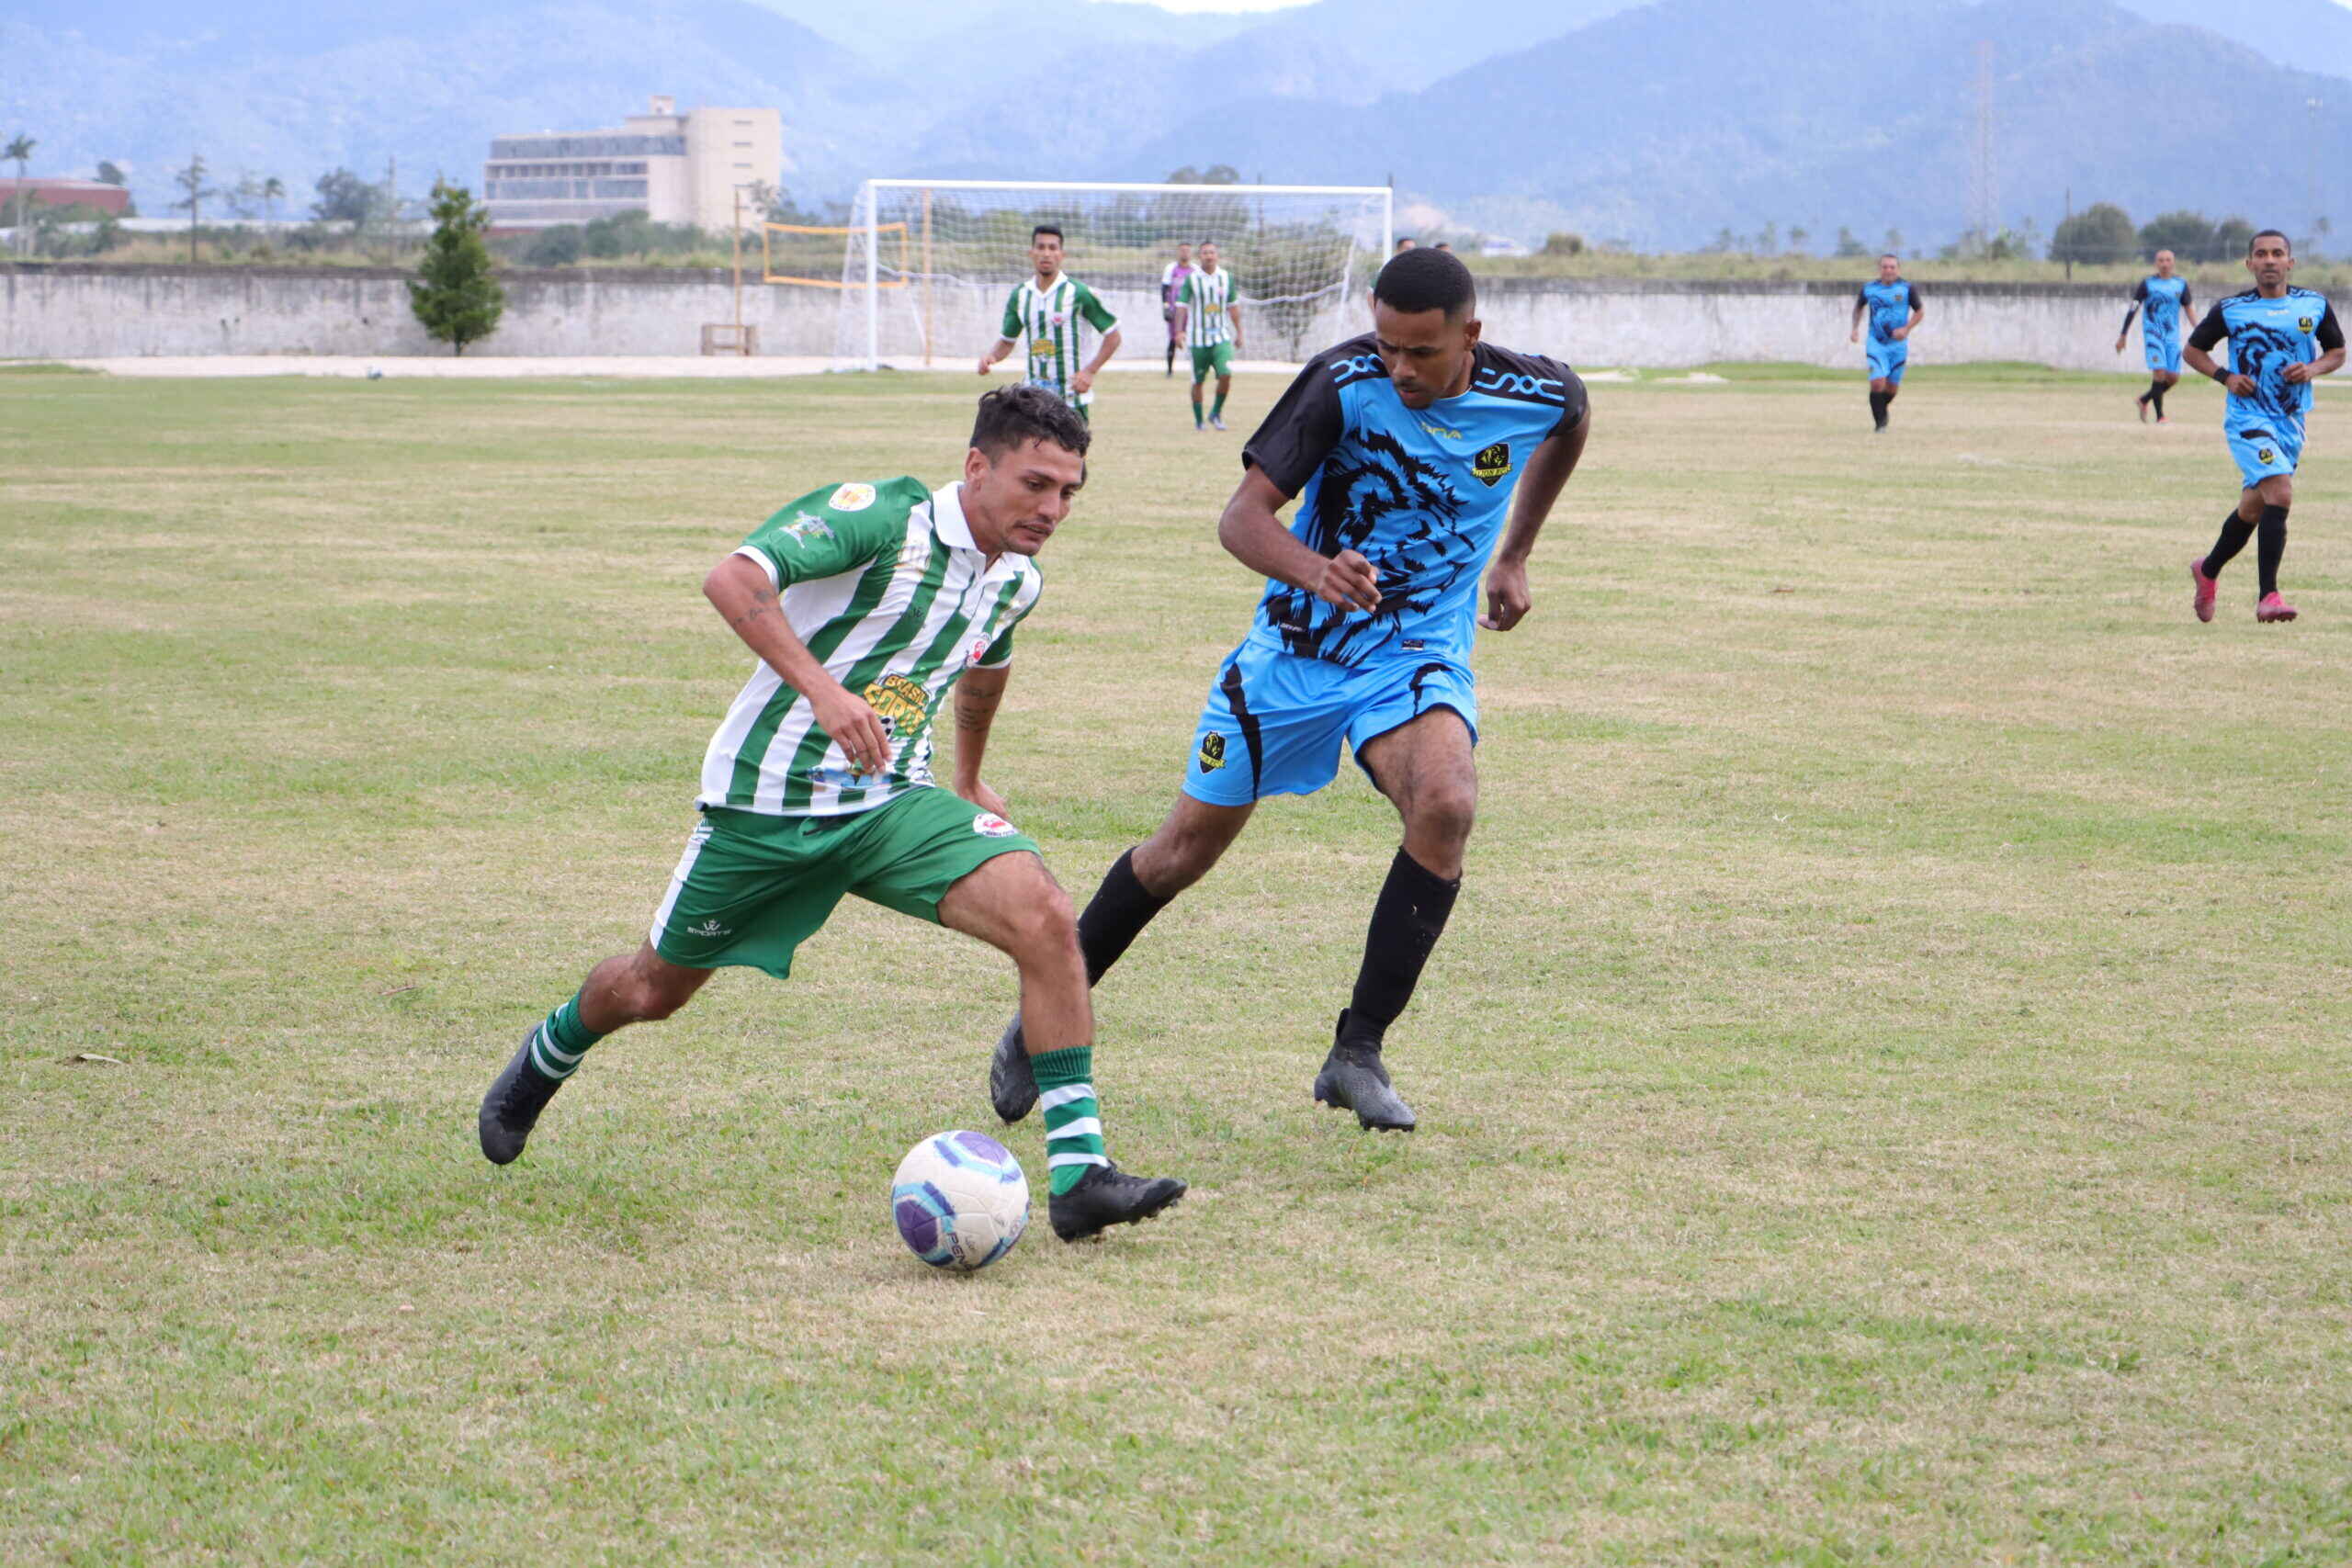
(1984, 196)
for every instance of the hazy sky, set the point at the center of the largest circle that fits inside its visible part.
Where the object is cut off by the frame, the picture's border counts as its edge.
(1260, 4)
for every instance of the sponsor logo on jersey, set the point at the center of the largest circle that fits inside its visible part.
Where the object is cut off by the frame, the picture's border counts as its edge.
(900, 701)
(1441, 430)
(852, 498)
(988, 825)
(808, 527)
(1212, 752)
(1492, 465)
(979, 650)
(708, 928)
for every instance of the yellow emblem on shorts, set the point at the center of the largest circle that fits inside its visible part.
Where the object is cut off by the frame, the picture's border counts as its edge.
(1212, 752)
(2264, 455)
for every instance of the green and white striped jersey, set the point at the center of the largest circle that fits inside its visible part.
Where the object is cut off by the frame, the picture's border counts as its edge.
(1052, 320)
(1204, 296)
(885, 585)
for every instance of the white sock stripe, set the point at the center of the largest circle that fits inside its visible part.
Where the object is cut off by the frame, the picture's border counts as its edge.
(545, 1041)
(1055, 1162)
(1083, 1127)
(1067, 1094)
(547, 1068)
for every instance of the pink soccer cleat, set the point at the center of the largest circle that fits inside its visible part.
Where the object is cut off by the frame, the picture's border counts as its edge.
(2273, 608)
(2205, 586)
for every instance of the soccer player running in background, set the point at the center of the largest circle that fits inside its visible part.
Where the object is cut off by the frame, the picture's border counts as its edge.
(866, 605)
(1893, 309)
(1406, 448)
(2165, 300)
(1210, 318)
(2280, 337)
(1052, 310)
(1171, 279)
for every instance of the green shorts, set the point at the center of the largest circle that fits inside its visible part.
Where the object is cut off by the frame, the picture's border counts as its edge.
(1218, 356)
(753, 887)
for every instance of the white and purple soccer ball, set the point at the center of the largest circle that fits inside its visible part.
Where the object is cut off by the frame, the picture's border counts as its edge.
(960, 1201)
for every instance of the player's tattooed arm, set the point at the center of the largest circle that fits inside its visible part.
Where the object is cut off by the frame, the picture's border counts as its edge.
(978, 694)
(1255, 537)
(1548, 467)
(734, 588)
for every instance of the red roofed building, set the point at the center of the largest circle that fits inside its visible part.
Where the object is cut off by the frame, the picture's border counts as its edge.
(62, 193)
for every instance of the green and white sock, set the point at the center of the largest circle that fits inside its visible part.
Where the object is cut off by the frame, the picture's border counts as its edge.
(558, 1045)
(1197, 416)
(1218, 411)
(1073, 1117)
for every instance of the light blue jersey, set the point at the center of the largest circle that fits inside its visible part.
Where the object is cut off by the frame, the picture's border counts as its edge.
(2163, 306)
(1888, 307)
(2266, 336)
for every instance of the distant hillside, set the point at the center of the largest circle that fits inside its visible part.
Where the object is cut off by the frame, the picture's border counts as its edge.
(1659, 123)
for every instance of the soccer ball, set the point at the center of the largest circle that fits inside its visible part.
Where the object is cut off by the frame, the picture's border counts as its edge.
(960, 1201)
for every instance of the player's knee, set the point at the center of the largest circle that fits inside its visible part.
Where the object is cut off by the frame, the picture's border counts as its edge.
(648, 999)
(1443, 812)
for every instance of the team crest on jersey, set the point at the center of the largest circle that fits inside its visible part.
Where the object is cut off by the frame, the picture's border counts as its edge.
(900, 701)
(851, 498)
(1212, 752)
(988, 825)
(2305, 323)
(808, 527)
(1492, 465)
(979, 650)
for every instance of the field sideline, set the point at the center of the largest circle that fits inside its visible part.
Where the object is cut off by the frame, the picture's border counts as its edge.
(1884, 1091)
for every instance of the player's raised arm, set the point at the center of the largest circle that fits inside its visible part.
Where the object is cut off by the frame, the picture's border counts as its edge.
(1299, 433)
(1508, 599)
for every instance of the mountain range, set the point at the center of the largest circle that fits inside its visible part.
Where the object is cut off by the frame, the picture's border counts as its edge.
(1659, 123)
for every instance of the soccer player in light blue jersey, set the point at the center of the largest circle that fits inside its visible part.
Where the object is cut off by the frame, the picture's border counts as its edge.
(2280, 337)
(2165, 300)
(1893, 308)
(1423, 459)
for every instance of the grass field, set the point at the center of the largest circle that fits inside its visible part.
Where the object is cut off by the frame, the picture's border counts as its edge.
(1884, 1091)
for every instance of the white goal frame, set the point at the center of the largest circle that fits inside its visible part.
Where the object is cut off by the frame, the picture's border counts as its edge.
(869, 221)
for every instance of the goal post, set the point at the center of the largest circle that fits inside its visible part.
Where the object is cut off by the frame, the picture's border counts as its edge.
(928, 263)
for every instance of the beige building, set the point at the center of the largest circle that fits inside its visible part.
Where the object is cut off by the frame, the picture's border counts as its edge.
(674, 168)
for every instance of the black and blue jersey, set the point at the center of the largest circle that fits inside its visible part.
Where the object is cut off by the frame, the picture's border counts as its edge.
(2266, 336)
(2166, 302)
(1890, 306)
(1420, 493)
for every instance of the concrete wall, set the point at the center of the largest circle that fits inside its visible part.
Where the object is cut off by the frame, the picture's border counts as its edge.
(89, 310)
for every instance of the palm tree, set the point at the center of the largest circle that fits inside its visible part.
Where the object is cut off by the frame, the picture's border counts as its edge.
(191, 180)
(272, 190)
(20, 153)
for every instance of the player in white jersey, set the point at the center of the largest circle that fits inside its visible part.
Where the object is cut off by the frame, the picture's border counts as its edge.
(1052, 311)
(1210, 318)
(1171, 279)
(867, 603)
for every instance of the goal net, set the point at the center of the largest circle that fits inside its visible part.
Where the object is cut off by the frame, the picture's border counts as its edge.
(929, 264)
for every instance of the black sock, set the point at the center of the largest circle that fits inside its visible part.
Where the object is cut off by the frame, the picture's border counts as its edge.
(2235, 532)
(1878, 407)
(2156, 396)
(2272, 545)
(1121, 908)
(1407, 919)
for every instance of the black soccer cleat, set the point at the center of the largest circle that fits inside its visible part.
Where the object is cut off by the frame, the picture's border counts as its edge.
(1107, 1196)
(1353, 1080)
(512, 1105)
(1012, 1083)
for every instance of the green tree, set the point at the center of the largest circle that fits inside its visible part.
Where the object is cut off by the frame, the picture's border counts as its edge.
(1798, 235)
(110, 174)
(191, 180)
(2233, 236)
(1561, 243)
(2189, 235)
(1894, 241)
(558, 245)
(273, 191)
(456, 292)
(2100, 233)
(20, 151)
(1849, 243)
(344, 197)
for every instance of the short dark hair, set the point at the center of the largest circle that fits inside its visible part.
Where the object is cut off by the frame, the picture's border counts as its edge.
(1053, 229)
(1012, 416)
(1211, 240)
(1425, 279)
(2278, 234)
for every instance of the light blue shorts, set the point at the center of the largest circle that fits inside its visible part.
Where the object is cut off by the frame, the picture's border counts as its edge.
(2266, 448)
(1274, 722)
(2163, 349)
(1887, 360)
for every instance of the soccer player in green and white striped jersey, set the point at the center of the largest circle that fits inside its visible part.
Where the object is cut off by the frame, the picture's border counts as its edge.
(867, 603)
(1053, 312)
(1210, 318)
